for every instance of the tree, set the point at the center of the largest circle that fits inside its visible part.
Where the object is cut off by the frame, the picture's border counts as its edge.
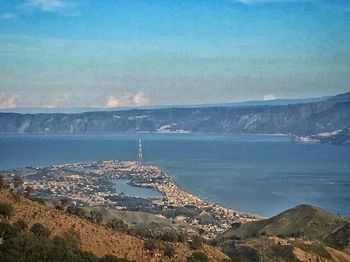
(7, 231)
(39, 230)
(196, 242)
(117, 224)
(169, 251)
(20, 225)
(5, 210)
(28, 191)
(198, 257)
(2, 182)
(150, 244)
(17, 182)
(72, 238)
(96, 216)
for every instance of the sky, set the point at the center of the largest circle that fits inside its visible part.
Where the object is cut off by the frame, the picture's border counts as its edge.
(84, 53)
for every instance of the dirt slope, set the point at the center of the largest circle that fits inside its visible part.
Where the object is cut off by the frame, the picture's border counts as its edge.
(95, 238)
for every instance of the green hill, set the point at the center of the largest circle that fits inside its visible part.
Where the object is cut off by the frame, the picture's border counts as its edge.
(302, 233)
(307, 221)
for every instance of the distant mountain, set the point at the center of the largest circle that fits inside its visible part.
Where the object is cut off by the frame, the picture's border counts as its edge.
(74, 110)
(302, 119)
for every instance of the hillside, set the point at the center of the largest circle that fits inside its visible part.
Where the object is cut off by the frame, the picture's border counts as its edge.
(303, 233)
(312, 222)
(95, 238)
(299, 119)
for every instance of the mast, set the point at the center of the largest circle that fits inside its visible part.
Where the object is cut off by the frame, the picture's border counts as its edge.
(140, 150)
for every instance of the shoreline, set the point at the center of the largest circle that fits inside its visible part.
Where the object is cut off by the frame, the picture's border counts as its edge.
(88, 184)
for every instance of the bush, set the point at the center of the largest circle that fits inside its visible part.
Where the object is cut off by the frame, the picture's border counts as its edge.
(169, 251)
(96, 216)
(198, 257)
(76, 211)
(169, 236)
(20, 225)
(244, 253)
(5, 210)
(118, 224)
(7, 231)
(111, 258)
(150, 244)
(27, 247)
(39, 230)
(39, 200)
(284, 252)
(196, 242)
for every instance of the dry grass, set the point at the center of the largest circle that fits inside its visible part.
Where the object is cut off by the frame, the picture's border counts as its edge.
(95, 238)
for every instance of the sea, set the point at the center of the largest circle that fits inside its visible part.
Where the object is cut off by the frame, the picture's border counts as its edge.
(262, 174)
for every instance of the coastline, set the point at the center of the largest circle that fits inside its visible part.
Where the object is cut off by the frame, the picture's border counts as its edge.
(87, 185)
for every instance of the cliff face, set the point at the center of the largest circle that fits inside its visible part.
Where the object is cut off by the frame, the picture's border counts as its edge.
(300, 119)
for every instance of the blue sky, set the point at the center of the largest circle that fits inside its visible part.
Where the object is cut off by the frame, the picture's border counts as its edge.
(82, 53)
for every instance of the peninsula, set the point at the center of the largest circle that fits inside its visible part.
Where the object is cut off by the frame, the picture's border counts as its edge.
(92, 184)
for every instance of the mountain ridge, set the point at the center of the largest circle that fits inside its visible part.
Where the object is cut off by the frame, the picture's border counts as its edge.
(297, 119)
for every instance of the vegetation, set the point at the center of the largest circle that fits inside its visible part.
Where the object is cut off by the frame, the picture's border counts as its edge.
(169, 251)
(20, 225)
(283, 252)
(315, 247)
(5, 210)
(39, 230)
(34, 247)
(96, 217)
(118, 224)
(74, 210)
(198, 257)
(196, 242)
(150, 244)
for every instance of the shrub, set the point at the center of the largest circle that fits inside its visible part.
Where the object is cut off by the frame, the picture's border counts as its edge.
(5, 210)
(39, 230)
(39, 200)
(7, 231)
(111, 258)
(284, 252)
(169, 251)
(196, 242)
(20, 225)
(118, 224)
(96, 216)
(150, 244)
(198, 257)
(76, 211)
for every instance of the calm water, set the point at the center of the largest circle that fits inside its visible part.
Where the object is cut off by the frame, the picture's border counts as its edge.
(122, 186)
(261, 174)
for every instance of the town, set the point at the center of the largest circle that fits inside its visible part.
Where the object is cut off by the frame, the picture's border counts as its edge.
(92, 184)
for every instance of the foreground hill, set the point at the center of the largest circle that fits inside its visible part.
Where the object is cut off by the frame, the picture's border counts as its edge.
(300, 119)
(303, 233)
(95, 238)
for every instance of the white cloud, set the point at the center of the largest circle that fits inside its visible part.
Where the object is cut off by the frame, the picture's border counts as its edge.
(8, 15)
(8, 101)
(130, 99)
(140, 99)
(113, 102)
(269, 97)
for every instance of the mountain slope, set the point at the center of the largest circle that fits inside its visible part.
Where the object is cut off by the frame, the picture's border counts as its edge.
(304, 220)
(95, 238)
(303, 233)
(300, 119)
